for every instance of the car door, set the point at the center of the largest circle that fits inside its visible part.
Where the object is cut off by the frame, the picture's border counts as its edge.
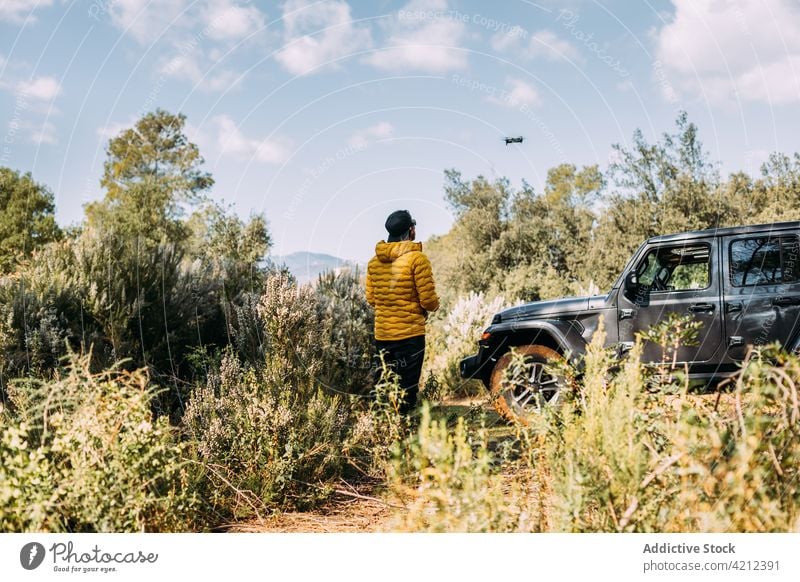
(678, 278)
(761, 290)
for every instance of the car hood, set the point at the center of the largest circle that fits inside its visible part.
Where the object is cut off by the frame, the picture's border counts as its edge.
(546, 309)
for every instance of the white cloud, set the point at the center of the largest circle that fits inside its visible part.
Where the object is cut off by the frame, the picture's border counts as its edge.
(40, 88)
(17, 10)
(722, 49)
(517, 93)
(316, 33)
(363, 137)
(112, 130)
(193, 68)
(35, 97)
(422, 37)
(199, 32)
(547, 44)
(226, 20)
(43, 134)
(146, 20)
(544, 44)
(505, 40)
(228, 139)
(36, 132)
(215, 20)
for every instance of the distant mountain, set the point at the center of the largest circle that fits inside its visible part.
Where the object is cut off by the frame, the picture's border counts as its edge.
(308, 266)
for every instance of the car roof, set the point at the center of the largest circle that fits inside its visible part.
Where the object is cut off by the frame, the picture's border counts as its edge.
(727, 231)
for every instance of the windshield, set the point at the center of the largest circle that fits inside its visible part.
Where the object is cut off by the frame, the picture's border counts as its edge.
(628, 265)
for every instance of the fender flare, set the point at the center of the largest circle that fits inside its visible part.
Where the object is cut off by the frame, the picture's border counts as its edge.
(564, 334)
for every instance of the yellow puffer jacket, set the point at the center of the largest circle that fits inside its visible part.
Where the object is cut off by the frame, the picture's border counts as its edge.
(400, 288)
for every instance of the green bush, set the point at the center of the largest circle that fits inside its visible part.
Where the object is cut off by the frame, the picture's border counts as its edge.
(379, 427)
(273, 433)
(28, 490)
(267, 444)
(83, 453)
(347, 327)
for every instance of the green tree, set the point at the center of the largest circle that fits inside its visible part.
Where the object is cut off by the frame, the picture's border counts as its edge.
(229, 247)
(151, 173)
(225, 263)
(665, 187)
(776, 194)
(548, 236)
(518, 243)
(138, 280)
(27, 218)
(132, 249)
(463, 259)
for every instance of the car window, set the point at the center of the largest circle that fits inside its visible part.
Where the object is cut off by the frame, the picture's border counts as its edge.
(676, 268)
(765, 260)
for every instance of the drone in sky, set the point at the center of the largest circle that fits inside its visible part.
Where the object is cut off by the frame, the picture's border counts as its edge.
(509, 140)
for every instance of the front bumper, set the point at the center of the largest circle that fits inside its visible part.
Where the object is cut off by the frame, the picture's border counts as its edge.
(469, 366)
(480, 365)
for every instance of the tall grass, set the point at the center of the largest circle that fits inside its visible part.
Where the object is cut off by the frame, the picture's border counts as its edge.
(738, 468)
(447, 482)
(634, 451)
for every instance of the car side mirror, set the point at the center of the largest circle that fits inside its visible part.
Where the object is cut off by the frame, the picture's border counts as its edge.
(631, 281)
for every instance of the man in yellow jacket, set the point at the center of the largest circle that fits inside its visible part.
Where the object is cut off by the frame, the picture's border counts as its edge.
(400, 287)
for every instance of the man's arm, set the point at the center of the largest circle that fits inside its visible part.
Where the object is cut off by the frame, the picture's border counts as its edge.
(370, 290)
(423, 280)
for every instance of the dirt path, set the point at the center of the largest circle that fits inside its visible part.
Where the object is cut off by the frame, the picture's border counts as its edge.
(361, 510)
(364, 510)
(343, 515)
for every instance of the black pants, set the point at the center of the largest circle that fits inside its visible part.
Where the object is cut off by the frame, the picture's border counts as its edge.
(405, 358)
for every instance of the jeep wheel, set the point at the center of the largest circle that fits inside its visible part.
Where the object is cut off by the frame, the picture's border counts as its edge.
(526, 391)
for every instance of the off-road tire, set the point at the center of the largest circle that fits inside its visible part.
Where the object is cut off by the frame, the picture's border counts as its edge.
(502, 396)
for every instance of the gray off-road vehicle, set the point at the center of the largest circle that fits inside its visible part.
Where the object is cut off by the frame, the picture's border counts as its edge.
(741, 284)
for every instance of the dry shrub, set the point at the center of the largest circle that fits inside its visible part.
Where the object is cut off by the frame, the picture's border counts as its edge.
(347, 323)
(739, 471)
(272, 433)
(448, 482)
(271, 446)
(266, 444)
(629, 457)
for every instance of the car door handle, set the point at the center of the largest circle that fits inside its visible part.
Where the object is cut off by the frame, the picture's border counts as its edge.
(735, 341)
(701, 307)
(733, 307)
(784, 301)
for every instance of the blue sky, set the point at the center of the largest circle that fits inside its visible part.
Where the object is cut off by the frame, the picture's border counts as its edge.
(326, 116)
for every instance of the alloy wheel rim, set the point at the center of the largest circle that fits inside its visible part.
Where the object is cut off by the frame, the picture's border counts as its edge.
(538, 389)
